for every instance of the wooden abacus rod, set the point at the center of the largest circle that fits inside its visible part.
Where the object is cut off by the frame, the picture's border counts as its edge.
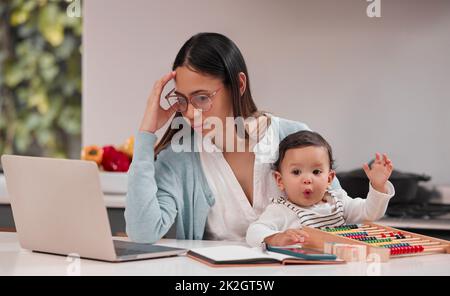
(380, 239)
(432, 249)
(393, 240)
(389, 236)
(370, 232)
(399, 240)
(428, 248)
(409, 239)
(354, 230)
(377, 236)
(412, 243)
(350, 226)
(368, 229)
(425, 243)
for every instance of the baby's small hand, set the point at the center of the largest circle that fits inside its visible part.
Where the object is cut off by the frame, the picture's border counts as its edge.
(379, 172)
(288, 237)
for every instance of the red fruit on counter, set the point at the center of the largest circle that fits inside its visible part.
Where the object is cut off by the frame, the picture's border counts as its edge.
(114, 161)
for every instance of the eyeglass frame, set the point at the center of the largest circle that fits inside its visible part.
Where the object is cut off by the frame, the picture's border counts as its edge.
(189, 99)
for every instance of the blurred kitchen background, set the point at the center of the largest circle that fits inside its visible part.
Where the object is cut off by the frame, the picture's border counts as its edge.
(366, 83)
(40, 79)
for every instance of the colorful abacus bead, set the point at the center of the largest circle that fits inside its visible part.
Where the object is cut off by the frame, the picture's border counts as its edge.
(353, 236)
(379, 241)
(366, 238)
(357, 237)
(353, 233)
(398, 235)
(340, 228)
(399, 250)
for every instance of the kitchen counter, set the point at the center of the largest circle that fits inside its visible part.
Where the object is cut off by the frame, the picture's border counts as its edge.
(17, 261)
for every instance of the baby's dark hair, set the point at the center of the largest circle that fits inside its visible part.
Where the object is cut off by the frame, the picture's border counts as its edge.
(299, 140)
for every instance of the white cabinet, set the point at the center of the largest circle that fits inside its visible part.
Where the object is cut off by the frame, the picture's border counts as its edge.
(113, 183)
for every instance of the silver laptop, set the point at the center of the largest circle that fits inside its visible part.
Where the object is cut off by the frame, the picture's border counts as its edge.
(58, 208)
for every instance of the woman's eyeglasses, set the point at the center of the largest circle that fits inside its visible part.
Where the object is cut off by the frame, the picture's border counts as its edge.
(179, 103)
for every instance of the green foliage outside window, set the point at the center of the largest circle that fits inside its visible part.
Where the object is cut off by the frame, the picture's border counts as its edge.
(40, 78)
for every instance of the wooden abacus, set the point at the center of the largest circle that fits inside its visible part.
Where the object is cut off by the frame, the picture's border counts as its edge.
(386, 242)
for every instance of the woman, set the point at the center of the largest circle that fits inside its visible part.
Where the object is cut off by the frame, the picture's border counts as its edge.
(204, 195)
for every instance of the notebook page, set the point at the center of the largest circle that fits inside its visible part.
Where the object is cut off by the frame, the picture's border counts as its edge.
(273, 255)
(229, 253)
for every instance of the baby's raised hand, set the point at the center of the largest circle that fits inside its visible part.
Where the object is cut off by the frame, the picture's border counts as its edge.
(379, 172)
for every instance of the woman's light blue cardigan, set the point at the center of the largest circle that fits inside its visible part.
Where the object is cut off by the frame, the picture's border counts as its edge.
(172, 189)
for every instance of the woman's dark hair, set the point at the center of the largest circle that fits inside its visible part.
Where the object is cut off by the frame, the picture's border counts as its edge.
(215, 55)
(299, 140)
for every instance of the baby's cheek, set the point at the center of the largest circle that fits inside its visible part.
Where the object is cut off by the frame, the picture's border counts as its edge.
(324, 181)
(295, 188)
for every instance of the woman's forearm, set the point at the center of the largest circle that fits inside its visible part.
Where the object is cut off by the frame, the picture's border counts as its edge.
(150, 212)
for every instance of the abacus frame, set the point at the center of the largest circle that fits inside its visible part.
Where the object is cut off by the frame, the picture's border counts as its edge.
(319, 237)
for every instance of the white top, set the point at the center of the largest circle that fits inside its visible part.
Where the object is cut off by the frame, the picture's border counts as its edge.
(231, 215)
(339, 209)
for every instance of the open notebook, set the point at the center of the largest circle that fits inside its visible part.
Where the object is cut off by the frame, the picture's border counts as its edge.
(224, 256)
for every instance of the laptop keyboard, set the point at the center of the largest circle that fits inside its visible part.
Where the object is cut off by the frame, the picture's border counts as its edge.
(126, 252)
(124, 248)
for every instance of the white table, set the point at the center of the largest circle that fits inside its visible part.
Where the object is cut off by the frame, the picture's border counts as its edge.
(16, 261)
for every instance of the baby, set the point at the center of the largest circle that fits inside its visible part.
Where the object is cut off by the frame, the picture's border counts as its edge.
(304, 173)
